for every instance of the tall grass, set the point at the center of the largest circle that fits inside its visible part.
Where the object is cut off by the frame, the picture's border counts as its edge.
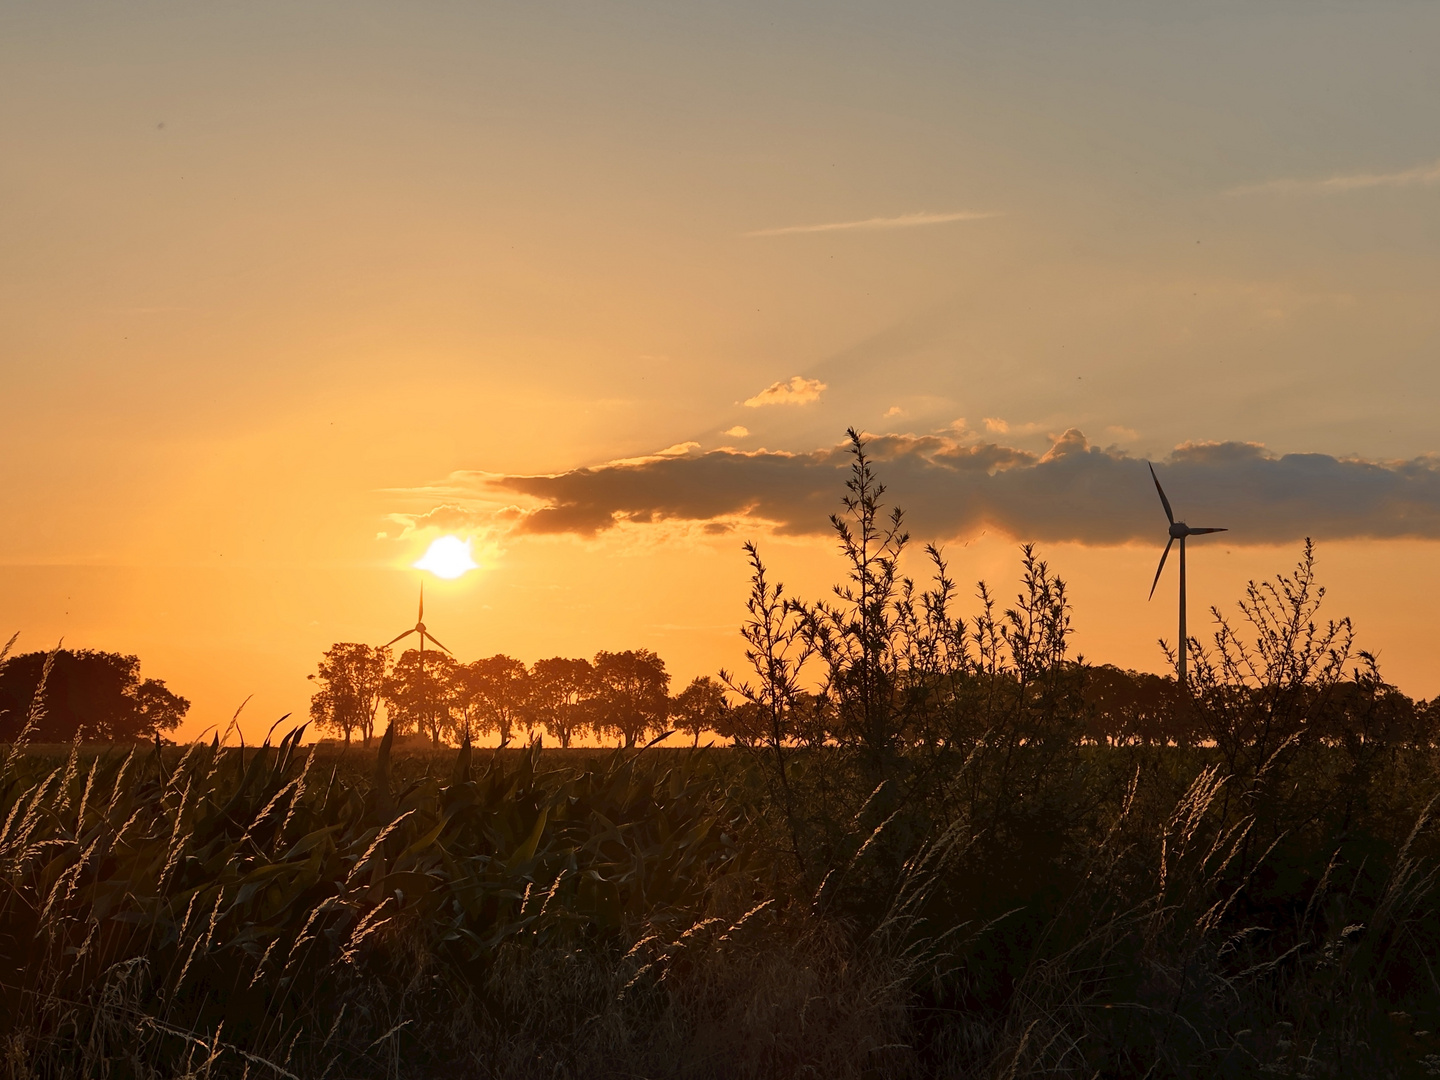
(213, 912)
(216, 912)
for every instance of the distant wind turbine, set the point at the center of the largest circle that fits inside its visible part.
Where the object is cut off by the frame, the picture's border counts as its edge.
(1178, 531)
(419, 628)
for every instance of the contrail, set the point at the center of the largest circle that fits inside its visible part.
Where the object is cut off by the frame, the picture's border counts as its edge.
(904, 221)
(1419, 176)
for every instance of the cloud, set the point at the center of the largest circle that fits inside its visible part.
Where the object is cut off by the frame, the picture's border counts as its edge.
(903, 221)
(678, 450)
(739, 431)
(995, 425)
(1419, 176)
(798, 391)
(953, 486)
(448, 517)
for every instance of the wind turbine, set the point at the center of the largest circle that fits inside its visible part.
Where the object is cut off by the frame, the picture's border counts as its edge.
(419, 628)
(1178, 531)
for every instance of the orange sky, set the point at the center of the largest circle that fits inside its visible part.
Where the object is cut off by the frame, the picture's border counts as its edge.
(271, 275)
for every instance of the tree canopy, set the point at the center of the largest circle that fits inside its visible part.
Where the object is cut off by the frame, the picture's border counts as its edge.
(423, 694)
(631, 694)
(700, 707)
(351, 687)
(98, 695)
(622, 695)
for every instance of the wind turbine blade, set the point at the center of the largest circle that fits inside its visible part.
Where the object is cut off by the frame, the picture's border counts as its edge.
(1163, 501)
(431, 636)
(1163, 554)
(392, 641)
(1194, 531)
(421, 617)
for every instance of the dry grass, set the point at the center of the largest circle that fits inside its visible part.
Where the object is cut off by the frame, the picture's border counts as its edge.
(222, 913)
(204, 914)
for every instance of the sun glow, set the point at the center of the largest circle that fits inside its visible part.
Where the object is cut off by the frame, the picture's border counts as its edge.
(447, 557)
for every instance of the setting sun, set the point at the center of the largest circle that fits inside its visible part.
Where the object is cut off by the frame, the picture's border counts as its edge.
(447, 557)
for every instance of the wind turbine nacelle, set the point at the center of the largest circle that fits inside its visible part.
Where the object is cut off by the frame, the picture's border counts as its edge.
(1179, 530)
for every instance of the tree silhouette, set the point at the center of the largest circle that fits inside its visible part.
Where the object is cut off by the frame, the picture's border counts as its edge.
(421, 694)
(352, 686)
(560, 696)
(99, 695)
(494, 691)
(632, 693)
(1134, 707)
(701, 706)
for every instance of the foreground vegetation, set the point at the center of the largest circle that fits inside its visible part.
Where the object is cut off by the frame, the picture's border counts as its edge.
(524, 913)
(938, 850)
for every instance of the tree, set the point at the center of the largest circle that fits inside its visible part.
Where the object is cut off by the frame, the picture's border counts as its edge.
(157, 709)
(745, 725)
(351, 687)
(99, 695)
(560, 692)
(632, 693)
(494, 692)
(1134, 707)
(701, 706)
(422, 694)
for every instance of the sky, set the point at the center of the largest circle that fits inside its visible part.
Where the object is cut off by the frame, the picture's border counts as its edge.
(288, 290)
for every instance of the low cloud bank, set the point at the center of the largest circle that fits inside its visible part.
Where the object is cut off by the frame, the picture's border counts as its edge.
(954, 486)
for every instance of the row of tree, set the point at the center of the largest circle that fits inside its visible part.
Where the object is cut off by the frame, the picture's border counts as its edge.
(902, 685)
(619, 695)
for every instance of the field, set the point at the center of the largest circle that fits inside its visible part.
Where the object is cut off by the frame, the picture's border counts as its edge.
(276, 911)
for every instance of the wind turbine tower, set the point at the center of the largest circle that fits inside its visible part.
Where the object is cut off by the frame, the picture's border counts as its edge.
(1178, 531)
(419, 628)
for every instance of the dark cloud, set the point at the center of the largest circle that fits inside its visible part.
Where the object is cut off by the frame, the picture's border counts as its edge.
(955, 486)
